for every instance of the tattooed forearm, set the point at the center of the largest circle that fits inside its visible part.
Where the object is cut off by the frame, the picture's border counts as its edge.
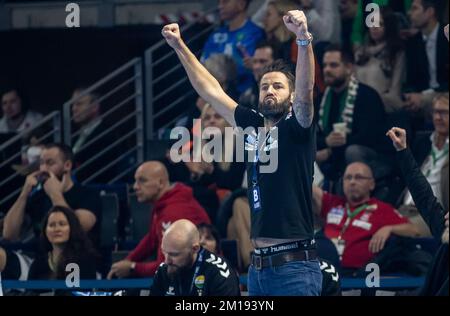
(304, 113)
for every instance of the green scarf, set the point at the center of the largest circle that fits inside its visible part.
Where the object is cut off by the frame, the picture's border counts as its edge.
(346, 109)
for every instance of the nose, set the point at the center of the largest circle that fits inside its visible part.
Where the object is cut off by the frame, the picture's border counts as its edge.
(270, 90)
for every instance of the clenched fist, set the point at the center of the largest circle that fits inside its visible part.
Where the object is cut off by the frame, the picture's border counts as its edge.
(398, 137)
(171, 33)
(297, 23)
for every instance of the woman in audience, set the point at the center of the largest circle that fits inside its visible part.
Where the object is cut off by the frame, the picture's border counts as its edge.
(275, 28)
(380, 62)
(65, 247)
(209, 238)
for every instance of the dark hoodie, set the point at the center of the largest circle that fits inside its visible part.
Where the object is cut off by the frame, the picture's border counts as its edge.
(178, 203)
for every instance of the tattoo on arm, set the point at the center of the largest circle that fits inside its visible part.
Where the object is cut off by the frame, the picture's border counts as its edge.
(304, 113)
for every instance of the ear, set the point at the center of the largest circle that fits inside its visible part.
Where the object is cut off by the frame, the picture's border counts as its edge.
(372, 185)
(68, 165)
(196, 248)
(292, 98)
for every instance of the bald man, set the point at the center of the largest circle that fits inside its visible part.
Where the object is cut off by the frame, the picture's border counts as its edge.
(171, 202)
(188, 269)
(358, 224)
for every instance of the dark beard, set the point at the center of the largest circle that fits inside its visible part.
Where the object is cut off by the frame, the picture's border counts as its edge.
(338, 82)
(274, 111)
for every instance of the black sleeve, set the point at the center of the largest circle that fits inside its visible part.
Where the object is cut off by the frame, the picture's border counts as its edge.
(299, 133)
(221, 286)
(321, 138)
(157, 288)
(331, 283)
(427, 204)
(246, 117)
(369, 123)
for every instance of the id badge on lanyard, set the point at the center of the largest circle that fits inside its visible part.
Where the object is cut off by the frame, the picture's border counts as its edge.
(256, 193)
(339, 243)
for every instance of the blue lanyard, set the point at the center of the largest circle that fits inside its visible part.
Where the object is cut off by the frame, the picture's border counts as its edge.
(255, 163)
(197, 269)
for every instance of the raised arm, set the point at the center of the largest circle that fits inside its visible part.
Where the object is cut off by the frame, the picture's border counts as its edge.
(427, 204)
(303, 107)
(202, 81)
(15, 216)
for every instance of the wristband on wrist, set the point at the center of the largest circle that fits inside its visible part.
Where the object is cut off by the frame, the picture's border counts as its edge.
(305, 42)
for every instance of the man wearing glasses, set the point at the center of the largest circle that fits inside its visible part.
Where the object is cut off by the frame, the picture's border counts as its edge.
(358, 224)
(431, 153)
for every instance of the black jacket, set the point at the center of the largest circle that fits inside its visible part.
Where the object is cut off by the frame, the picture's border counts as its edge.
(418, 76)
(215, 277)
(369, 122)
(433, 213)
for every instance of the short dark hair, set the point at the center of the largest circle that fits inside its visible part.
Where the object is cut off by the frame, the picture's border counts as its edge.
(95, 95)
(66, 151)
(20, 93)
(346, 57)
(280, 65)
(274, 45)
(435, 4)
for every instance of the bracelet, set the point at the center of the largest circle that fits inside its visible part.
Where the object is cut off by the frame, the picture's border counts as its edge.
(305, 42)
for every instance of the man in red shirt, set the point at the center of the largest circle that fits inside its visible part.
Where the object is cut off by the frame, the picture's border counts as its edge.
(171, 202)
(359, 225)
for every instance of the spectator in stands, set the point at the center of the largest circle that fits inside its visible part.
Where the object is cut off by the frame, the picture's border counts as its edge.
(360, 27)
(435, 215)
(266, 52)
(358, 224)
(324, 19)
(348, 10)
(426, 55)
(237, 38)
(432, 156)
(171, 202)
(323, 14)
(380, 61)
(224, 69)
(51, 186)
(63, 242)
(91, 137)
(275, 29)
(209, 238)
(189, 269)
(16, 115)
(212, 181)
(360, 108)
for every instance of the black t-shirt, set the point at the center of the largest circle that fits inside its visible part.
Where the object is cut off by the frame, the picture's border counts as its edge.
(78, 197)
(215, 277)
(286, 194)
